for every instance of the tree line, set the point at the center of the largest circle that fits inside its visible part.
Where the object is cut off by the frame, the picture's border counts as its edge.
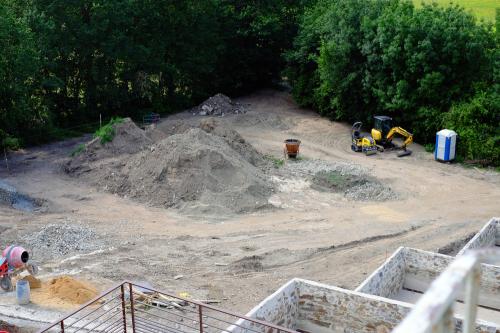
(428, 68)
(64, 63)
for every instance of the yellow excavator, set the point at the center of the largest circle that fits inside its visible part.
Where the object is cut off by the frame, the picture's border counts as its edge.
(383, 133)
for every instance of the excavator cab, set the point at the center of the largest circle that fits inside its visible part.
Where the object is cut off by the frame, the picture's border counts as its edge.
(383, 132)
(381, 127)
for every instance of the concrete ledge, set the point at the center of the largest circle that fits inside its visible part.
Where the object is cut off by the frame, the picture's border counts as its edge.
(488, 236)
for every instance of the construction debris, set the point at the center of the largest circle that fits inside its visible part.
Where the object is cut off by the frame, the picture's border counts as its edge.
(218, 105)
(57, 240)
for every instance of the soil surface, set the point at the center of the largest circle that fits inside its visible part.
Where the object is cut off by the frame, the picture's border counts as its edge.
(316, 225)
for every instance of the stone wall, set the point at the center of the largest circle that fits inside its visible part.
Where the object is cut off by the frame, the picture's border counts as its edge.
(280, 308)
(318, 308)
(324, 308)
(388, 279)
(488, 236)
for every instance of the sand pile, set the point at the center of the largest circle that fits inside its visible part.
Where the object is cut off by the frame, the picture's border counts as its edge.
(127, 139)
(218, 105)
(33, 281)
(194, 170)
(70, 290)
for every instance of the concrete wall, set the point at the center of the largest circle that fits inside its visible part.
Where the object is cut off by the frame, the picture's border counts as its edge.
(488, 236)
(416, 269)
(388, 279)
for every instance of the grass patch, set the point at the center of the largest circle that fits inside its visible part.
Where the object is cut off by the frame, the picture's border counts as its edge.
(107, 132)
(336, 181)
(78, 149)
(482, 9)
(277, 162)
(429, 147)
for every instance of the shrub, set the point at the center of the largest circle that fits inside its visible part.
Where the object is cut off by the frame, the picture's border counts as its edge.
(476, 123)
(107, 132)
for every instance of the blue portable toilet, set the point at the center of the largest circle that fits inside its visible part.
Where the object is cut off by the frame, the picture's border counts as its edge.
(446, 142)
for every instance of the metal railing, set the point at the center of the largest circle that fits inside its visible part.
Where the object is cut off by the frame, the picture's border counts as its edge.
(434, 311)
(131, 308)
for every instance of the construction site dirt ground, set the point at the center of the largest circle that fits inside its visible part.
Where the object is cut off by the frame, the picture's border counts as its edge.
(239, 259)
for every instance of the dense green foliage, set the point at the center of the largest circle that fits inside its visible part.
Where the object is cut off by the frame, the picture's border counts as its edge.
(21, 112)
(478, 123)
(64, 64)
(353, 59)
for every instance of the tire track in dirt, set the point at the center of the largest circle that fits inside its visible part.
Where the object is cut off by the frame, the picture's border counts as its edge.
(299, 257)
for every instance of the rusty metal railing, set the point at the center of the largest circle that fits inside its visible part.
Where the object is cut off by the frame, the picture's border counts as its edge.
(131, 308)
(433, 313)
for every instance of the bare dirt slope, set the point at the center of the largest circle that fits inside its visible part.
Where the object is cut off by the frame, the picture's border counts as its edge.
(241, 258)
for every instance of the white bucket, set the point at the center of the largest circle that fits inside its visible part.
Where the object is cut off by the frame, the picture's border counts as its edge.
(22, 292)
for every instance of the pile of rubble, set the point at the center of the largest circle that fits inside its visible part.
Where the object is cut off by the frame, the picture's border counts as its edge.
(219, 105)
(57, 240)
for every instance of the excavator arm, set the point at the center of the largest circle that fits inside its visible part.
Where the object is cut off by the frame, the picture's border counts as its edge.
(404, 133)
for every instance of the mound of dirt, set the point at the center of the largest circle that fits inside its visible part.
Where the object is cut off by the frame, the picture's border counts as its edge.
(195, 170)
(354, 187)
(234, 140)
(352, 180)
(215, 127)
(127, 139)
(247, 265)
(219, 105)
(70, 290)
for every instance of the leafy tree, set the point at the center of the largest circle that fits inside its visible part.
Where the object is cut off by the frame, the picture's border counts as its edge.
(420, 61)
(21, 112)
(254, 35)
(476, 122)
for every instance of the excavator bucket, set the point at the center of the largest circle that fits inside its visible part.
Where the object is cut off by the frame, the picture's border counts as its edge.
(406, 152)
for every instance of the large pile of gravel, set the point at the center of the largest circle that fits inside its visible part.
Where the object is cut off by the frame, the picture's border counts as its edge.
(57, 240)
